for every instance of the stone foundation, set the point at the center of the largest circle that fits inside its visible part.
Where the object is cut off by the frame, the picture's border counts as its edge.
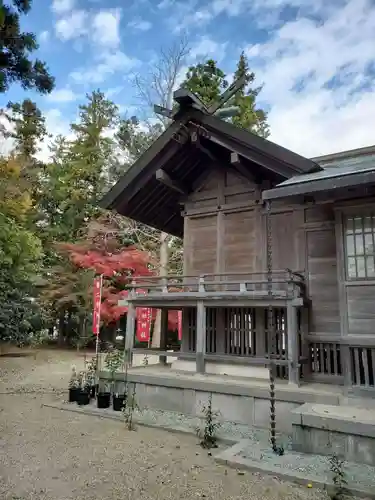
(239, 400)
(344, 430)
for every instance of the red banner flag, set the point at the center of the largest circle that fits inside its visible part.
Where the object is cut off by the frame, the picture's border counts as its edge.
(179, 324)
(143, 323)
(97, 303)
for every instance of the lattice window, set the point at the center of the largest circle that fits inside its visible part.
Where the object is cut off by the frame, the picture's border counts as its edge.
(360, 247)
(240, 331)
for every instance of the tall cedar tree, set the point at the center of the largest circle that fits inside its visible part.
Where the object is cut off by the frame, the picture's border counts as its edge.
(74, 180)
(208, 81)
(16, 48)
(77, 176)
(20, 246)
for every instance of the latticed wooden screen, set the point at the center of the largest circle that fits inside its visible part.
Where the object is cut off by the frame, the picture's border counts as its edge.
(240, 331)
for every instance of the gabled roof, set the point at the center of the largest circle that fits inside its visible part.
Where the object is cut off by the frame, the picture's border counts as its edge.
(341, 170)
(183, 159)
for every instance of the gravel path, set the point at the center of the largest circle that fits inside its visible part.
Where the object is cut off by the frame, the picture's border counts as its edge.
(51, 455)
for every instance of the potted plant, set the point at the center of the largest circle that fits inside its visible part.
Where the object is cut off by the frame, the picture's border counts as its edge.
(113, 361)
(91, 376)
(74, 387)
(83, 396)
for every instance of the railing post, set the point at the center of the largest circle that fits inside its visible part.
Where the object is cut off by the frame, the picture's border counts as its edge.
(164, 285)
(130, 331)
(201, 337)
(293, 351)
(346, 367)
(201, 287)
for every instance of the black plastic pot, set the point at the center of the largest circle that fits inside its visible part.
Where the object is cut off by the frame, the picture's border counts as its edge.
(73, 394)
(118, 402)
(103, 399)
(83, 398)
(92, 391)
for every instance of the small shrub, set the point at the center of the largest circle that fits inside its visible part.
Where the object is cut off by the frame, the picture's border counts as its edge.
(207, 433)
(74, 379)
(338, 478)
(130, 406)
(113, 361)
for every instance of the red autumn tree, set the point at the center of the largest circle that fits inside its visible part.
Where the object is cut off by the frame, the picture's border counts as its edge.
(102, 252)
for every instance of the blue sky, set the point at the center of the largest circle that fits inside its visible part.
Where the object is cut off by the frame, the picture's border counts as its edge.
(315, 58)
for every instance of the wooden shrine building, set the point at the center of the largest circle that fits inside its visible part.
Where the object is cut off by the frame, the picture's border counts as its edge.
(207, 181)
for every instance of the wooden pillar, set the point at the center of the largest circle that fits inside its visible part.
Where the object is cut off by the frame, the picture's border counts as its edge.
(220, 330)
(346, 367)
(305, 347)
(130, 332)
(163, 335)
(260, 332)
(201, 337)
(185, 331)
(293, 350)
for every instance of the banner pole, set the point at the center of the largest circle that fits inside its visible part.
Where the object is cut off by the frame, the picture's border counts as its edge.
(98, 283)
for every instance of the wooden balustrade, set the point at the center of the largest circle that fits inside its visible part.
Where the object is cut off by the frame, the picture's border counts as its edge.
(284, 283)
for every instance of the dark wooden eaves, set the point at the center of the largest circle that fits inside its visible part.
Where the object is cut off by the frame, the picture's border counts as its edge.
(258, 149)
(315, 186)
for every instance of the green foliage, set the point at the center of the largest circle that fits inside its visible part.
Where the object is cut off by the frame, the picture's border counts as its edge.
(20, 257)
(19, 315)
(207, 433)
(16, 48)
(208, 82)
(29, 127)
(113, 361)
(338, 477)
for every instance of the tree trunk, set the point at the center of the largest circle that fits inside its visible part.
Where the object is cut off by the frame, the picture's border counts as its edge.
(164, 256)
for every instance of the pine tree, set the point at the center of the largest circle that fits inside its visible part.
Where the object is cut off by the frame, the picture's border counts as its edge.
(29, 127)
(15, 50)
(207, 82)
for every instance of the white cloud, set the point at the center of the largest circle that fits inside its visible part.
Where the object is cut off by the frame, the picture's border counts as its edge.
(106, 27)
(62, 95)
(206, 46)
(102, 27)
(113, 91)
(72, 26)
(317, 80)
(62, 6)
(107, 64)
(44, 36)
(140, 24)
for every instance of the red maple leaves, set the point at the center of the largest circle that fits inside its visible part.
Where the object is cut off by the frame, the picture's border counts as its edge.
(118, 269)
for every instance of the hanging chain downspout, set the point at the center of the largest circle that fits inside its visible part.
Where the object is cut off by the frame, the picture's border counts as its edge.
(271, 336)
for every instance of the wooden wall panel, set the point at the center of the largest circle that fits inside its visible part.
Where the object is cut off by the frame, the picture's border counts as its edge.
(361, 309)
(319, 213)
(200, 245)
(239, 243)
(283, 240)
(238, 189)
(322, 282)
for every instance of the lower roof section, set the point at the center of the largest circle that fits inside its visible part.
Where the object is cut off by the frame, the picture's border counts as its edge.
(345, 170)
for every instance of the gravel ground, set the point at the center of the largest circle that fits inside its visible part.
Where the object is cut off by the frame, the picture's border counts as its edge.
(55, 455)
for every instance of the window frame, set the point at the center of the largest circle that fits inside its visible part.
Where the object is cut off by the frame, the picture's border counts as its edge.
(359, 233)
